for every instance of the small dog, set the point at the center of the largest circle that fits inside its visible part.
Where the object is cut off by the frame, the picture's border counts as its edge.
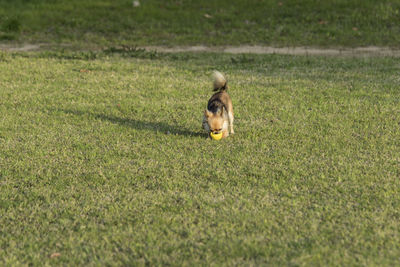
(219, 113)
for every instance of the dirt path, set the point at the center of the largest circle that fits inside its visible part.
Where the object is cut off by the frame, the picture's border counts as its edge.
(358, 51)
(24, 47)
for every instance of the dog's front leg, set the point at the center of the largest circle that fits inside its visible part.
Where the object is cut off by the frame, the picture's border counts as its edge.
(230, 119)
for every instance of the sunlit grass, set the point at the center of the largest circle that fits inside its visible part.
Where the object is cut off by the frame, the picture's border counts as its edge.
(103, 161)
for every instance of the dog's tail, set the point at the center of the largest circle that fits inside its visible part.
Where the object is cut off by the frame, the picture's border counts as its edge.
(220, 83)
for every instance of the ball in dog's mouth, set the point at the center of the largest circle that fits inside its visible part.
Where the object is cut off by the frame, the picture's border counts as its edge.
(216, 136)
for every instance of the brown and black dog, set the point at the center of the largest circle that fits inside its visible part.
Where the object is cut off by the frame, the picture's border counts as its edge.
(219, 113)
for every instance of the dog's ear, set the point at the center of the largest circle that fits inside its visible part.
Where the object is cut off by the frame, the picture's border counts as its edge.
(207, 113)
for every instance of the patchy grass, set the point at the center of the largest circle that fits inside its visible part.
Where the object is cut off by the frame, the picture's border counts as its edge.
(103, 162)
(104, 23)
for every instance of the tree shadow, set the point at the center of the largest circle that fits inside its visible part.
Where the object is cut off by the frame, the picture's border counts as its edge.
(138, 124)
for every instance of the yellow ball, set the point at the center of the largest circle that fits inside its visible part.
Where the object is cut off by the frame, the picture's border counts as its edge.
(217, 136)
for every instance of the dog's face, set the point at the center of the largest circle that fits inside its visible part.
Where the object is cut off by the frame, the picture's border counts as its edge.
(215, 121)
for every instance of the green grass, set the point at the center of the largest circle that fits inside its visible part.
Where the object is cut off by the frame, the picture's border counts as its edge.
(99, 23)
(102, 159)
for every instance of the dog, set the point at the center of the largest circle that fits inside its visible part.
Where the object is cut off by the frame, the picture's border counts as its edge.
(218, 116)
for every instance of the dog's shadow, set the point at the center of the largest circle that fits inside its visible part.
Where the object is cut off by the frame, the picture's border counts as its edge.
(138, 124)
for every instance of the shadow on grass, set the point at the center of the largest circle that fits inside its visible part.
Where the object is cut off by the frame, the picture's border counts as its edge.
(137, 124)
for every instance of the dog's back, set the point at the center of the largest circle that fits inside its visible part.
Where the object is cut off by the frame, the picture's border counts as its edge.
(221, 99)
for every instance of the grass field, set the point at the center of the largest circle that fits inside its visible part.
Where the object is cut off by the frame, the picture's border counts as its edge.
(103, 161)
(104, 23)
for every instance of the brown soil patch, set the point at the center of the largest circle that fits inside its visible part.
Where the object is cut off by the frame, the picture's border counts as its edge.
(246, 49)
(359, 51)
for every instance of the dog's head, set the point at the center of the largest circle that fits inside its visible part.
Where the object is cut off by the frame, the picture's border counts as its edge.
(215, 120)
